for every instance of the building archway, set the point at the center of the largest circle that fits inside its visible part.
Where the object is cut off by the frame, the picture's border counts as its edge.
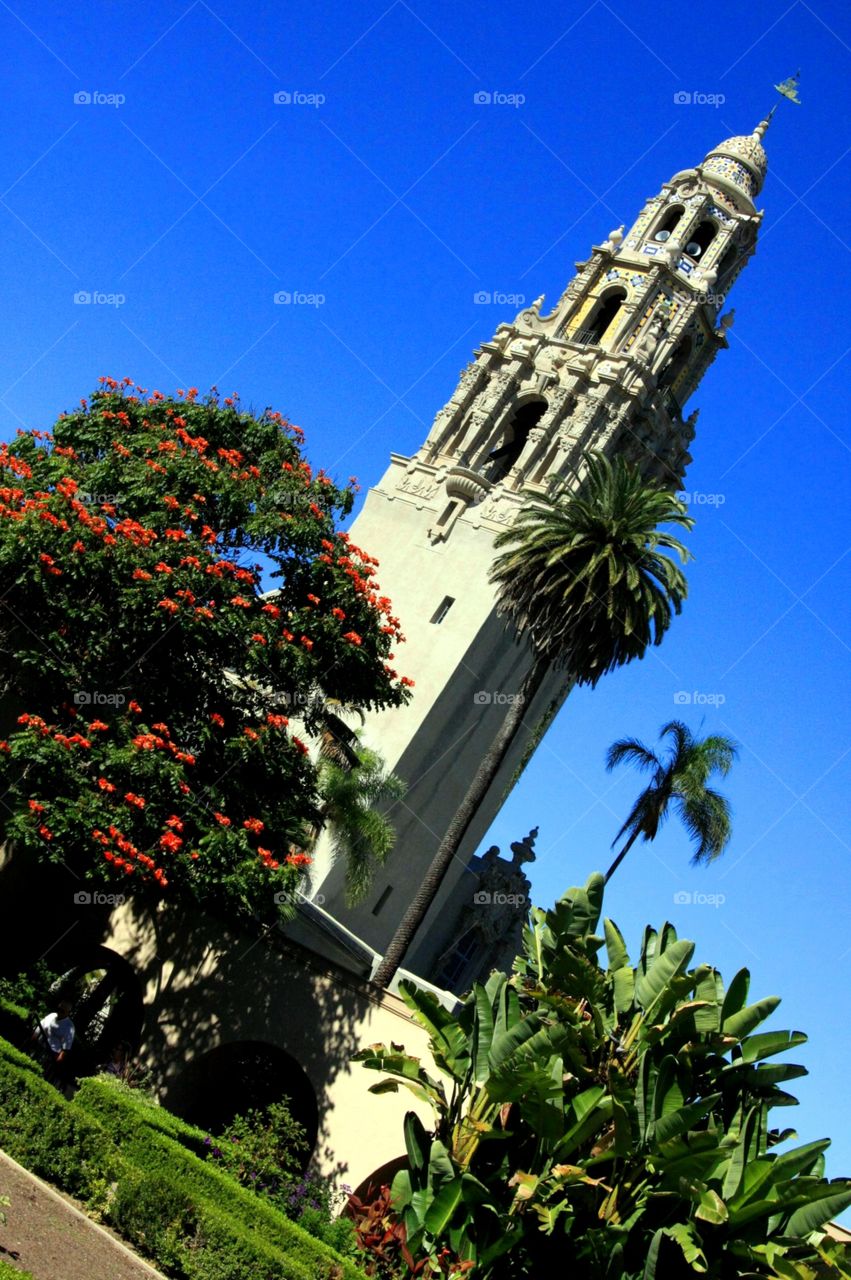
(602, 317)
(244, 1075)
(668, 223)
(513, 439)
(107, 1005)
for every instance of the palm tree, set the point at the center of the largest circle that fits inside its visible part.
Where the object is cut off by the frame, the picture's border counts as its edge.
(583, 577)
(361, 835)
(680, 781)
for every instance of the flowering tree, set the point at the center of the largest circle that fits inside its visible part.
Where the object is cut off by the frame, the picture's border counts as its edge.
(150, 679)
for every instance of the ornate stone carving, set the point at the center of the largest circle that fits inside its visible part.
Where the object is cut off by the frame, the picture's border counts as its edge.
(417, 484)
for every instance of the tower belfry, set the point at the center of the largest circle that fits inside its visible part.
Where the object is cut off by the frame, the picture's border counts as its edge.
(610, 367)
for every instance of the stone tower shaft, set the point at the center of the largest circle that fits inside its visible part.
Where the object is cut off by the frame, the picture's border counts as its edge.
(609, 368)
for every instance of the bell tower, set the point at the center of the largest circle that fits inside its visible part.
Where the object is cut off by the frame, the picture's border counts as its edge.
(610, 367)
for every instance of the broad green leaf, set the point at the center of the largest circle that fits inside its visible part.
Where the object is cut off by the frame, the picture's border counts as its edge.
(616, 951)
(679, 1122)
(683, 1233)
(417, 1142)
(767, 1043)
(710, 1207)
(483, 1028)
(624, 989)
(834, 1197)
(737, 994)
(651, 987)
(443, 1206)
(741, 1024)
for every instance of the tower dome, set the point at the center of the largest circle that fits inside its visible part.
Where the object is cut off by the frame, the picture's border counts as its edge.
(740, 162)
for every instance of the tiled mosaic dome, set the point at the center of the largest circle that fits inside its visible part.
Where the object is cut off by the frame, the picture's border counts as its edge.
(741, 160)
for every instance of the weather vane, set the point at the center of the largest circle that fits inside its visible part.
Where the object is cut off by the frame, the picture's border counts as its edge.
(789, 88)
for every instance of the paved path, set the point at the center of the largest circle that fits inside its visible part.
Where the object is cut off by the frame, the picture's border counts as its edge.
(54, 1239)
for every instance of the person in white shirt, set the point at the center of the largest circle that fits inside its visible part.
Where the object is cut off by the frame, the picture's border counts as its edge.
(55, 1036)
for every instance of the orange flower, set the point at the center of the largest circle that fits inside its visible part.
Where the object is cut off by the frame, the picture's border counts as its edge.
(134, 706)
(353, 637)
(308, 644)
(253, 824)
(137, 801)
(141, 575)
(105, 785)
(257, 638)
(217, 719)
(338, 614)
(35, 806)
(222, 820)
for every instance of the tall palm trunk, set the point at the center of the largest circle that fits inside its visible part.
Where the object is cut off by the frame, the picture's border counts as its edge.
(624, 851)
(458, 827)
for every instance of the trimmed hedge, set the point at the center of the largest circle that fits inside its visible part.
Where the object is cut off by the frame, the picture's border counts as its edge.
(134, 1163)
(8, 1272)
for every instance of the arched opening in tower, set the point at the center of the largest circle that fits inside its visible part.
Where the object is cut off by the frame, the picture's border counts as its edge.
(701, 240)
(668, 223)
(676, 364)
(725, 266)
(604, 315)
(505, 456)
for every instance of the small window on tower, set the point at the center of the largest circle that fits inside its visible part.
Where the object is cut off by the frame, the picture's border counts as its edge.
(381, 901)
(442, 610)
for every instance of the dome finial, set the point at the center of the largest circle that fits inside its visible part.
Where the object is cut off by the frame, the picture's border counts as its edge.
(762, 128)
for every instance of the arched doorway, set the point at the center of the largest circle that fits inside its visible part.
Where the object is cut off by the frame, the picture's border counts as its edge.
(107, 1005)
(245, 1075)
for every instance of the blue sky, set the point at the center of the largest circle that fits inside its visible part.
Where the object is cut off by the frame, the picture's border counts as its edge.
(186, 197)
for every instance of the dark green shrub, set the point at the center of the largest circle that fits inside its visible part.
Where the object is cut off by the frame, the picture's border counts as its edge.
(130, 1159)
